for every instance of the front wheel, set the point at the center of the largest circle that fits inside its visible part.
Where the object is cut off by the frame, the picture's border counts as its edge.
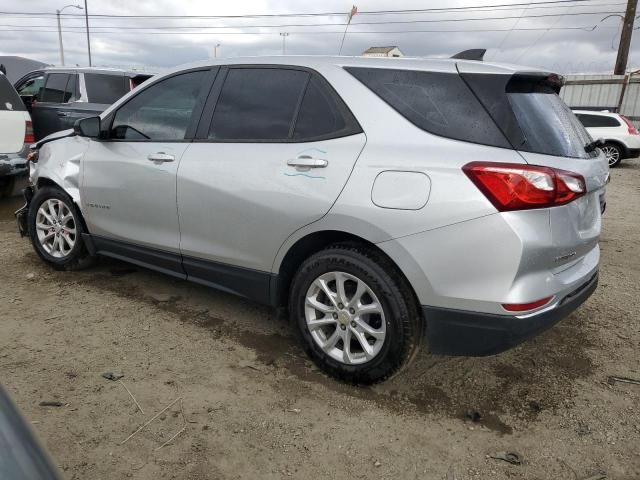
(56, 230)
(356, 314)
(613, 154)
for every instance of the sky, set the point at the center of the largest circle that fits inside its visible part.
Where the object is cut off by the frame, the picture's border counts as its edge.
(556, 36)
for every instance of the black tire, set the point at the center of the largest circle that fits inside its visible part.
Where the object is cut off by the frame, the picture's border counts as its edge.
(616, 151)
(402, 318)
(78, 257)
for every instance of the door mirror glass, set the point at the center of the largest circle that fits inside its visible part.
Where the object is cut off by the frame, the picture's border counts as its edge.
(87, 127)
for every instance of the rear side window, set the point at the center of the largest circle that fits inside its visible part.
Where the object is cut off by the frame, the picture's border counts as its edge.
(54, 89)
(597, 121)
(322, 114)
(105, 89)
(9, 98)
(161, 112)
(439, 103)
(257, 104)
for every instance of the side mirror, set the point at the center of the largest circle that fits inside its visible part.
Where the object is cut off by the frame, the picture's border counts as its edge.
(87, 127)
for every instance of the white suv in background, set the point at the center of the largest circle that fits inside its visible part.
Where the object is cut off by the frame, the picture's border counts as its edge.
(621, 137)
(16, 133)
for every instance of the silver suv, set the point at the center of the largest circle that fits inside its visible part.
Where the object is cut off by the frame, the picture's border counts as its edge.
(380, 201)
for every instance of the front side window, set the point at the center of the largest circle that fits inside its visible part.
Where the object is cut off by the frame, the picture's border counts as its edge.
(54, 90)
(31, 87)
(257, 104)
(105, 89)
(161, 112)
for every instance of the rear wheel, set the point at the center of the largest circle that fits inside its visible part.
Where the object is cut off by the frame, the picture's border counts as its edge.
(613, 154)
(56, 230)
(356, 314)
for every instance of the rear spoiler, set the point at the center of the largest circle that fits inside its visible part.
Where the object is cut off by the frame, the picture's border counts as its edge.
(476, 54)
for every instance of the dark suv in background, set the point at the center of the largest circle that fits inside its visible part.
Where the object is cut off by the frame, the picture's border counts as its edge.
(57, 97)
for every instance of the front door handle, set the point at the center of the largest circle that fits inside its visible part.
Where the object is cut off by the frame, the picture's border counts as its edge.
(160, 157)
(307, 161)
(62, 114)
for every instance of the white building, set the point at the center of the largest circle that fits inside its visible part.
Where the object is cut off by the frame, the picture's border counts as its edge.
(383, 52)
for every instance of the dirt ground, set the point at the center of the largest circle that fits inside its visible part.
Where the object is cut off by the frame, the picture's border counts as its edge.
(252, 406)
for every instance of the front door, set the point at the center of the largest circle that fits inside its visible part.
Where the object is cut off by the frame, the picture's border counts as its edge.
(279, 149)
(129, 180)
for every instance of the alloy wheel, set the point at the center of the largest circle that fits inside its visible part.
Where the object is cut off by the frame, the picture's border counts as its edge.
(345, 318)
(612, 154)
(56, 228)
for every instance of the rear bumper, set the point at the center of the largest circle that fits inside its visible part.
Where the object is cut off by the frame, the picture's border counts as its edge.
(632, 153)
(458, 332)
(15, 164)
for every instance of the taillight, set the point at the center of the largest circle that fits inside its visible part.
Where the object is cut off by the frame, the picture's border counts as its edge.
(631, 128)
(520, 187)
(523, 307)
(28, 132)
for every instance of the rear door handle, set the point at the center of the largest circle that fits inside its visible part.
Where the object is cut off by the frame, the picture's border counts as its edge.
(160, 157)
(62, 114)
(308, 162)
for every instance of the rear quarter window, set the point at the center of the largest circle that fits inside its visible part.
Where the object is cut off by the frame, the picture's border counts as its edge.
(439, 103)
(105, 89)
(597, 121)
(9, 98)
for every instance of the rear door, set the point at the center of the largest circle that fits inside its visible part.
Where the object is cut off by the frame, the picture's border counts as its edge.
(13, 117)
(544, 131)
(276, 146)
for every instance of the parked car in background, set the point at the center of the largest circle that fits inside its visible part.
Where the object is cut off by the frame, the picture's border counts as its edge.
(15, 136)
(621, 138)
(379, 200)
(57, 97)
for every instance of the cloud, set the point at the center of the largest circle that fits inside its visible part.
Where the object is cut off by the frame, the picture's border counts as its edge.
(564, 51)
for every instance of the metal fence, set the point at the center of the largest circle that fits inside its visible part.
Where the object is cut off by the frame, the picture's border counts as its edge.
(616, 93)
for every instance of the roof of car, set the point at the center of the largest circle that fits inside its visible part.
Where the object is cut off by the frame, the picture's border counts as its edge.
(596, 112)
(101, 70)
(417, 63)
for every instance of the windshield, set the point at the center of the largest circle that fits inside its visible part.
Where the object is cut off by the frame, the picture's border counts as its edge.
(9, 99)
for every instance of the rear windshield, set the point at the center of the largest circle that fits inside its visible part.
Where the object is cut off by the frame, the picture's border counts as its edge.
(9, 98)
(529, 111)
(102, 88)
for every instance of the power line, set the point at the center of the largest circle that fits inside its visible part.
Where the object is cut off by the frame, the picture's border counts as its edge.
(586, 28)
(333, 24)
(318, 14)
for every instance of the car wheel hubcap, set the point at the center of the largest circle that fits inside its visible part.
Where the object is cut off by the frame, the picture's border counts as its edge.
(345, 318)
(56, 228)
(612, 154)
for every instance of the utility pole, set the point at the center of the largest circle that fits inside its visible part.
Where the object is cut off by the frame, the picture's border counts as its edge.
(284, 36)
(625, 38)
(58, 12)
(86, 21)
